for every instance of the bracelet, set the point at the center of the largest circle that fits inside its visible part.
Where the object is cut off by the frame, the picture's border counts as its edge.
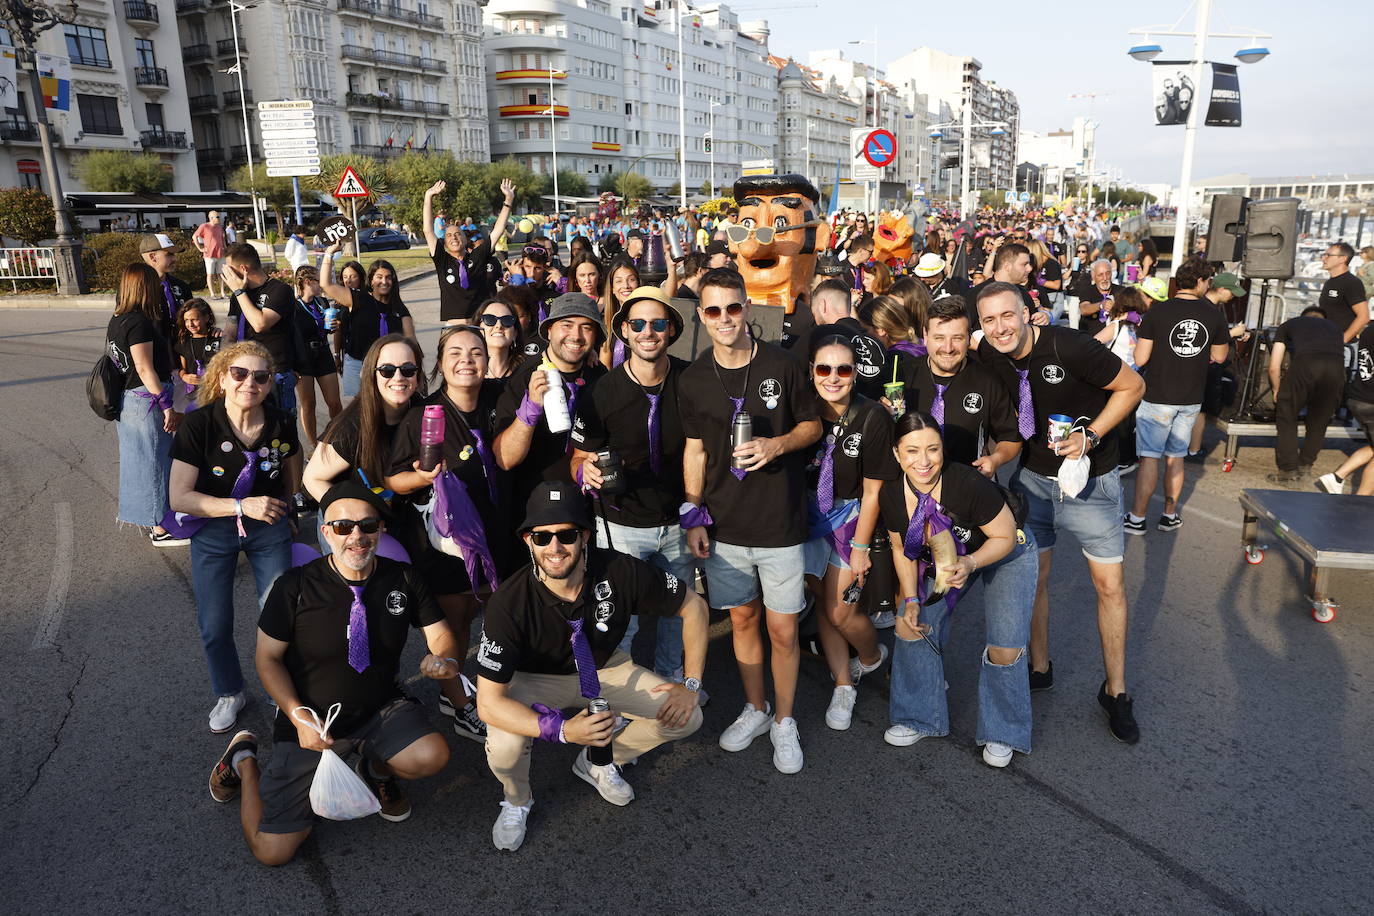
(238, 517)
(856, 545)
(912, 600)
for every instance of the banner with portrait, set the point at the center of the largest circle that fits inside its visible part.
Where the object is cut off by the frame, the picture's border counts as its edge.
(1174, 92)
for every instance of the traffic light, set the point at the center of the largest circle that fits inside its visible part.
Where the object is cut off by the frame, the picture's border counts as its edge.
(706, 144)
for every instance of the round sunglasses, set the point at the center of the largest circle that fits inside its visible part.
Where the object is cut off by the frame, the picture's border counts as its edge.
(407, 370)
(734, 310)
(659, 325)
(491, 321)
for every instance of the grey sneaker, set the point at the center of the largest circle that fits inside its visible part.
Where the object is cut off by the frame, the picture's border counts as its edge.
(509, 830)
(605, 779)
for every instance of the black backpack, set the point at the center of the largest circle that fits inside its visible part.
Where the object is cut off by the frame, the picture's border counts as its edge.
(105, 388)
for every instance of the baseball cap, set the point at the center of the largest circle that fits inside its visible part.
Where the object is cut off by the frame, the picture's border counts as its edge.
(717, 246)
(555, 502)
(929, 265)
(154, 241)
(1155, 287)
(1229, 282)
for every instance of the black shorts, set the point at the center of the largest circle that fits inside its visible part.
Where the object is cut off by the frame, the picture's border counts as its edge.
(316, 360)
(1362, 412)
(285, 784)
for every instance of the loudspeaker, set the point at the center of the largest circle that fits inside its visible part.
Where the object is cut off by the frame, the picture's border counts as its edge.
(1226, 228)
(1271, 239)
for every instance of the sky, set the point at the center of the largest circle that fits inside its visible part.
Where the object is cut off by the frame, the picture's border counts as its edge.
(1305, 108)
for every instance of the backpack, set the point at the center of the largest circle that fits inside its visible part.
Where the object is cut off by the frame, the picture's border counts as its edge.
(105, 388)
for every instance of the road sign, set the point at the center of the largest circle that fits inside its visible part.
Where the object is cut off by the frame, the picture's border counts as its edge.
(274, 171)
(1025, 197)
(294, 161)
(290, 147)
(751, 167)
(334, 229)
(880, 148)
(860, 169)
(295, 114)
(286, 105)
(919, 190)
(350, 185)
(300, 133)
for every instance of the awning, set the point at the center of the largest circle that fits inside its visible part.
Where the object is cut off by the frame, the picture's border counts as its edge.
(91, 203)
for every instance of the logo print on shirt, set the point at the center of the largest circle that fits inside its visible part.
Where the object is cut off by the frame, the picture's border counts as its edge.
(1188, 338)
(487, 652)
(672, 582)
(770, 390)
(850, 445)
(1366, 365)
(863, 354)
(602, 590)
(1053, 374)
(603, 614)
(973, 402)
(963, 534)
(117, 357)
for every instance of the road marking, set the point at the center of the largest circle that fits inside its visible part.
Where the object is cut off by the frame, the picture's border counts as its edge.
(63, 552)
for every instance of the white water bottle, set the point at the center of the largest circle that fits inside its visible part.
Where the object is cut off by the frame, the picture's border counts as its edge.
(556, 402)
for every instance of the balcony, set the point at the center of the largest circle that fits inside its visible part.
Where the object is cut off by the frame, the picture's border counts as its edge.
(386, 103)
(238, 155)
(389, 152)
(232, 98)
(196, 54)
(225, 48)
(522, 75)
(18, 132)
(209, 155)
(532, 111)
(186, 7)
(151, 78)
(199, 104)
(409, 62)
(158, 138)
(140, 12)
(393, 11)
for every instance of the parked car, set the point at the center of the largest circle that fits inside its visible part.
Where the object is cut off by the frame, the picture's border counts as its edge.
(382, 239)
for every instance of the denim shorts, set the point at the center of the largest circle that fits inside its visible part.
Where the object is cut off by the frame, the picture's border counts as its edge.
(1093, 516)
(351, 379)
(735, 574)
(1164, 430)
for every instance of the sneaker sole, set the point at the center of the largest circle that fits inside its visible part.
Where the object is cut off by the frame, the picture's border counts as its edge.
(1167, 527)
(902, 742)
(230, 726)
(464, 733)
(233, 741)
(587, 778)
(1112, 731)
(844, 727)
(393, 818)
(997, 763)
(734, 749)
(181, 542)
(785, 770)
(1138, 532)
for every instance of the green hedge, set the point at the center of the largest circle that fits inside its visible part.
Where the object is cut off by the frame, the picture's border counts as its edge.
(106, 254)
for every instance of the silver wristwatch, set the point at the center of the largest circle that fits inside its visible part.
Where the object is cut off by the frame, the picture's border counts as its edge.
(692, 683)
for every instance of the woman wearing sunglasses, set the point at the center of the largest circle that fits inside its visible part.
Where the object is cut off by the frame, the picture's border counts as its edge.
(314, 361)
(235, 461)
(501, 329)
(851, 463)
(373, 312)
(933, 502)
(469, 403)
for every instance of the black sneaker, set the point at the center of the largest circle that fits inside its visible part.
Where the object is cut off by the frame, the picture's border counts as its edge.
(224, 782)
(1120, 719)
(1198, 457)
(395, 804)
(1169, 522)
(1133, 526)
(467, 724)
(1284, 478)
(1041, 680)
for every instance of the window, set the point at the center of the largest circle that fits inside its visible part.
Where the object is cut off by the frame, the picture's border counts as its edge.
(153, 112)
(99, 114)
(143, 47)
(86, 46)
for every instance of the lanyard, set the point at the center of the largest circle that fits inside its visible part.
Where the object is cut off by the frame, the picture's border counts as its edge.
(748, 367)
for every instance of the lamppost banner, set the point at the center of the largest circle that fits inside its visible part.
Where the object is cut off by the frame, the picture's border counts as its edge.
(55, 76)
(1174, 92)
(1224, 108)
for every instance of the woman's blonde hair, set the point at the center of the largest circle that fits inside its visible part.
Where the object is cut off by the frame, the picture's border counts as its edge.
(210, 388)
(888, 315)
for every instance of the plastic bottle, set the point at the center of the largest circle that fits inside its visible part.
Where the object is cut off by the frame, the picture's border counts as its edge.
(555, 400)
(432, 437)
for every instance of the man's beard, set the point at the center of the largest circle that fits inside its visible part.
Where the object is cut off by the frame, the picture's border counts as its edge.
(356, 564)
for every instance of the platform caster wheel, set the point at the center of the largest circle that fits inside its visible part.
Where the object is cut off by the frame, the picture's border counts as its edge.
(1228, 465)
(1324, 611)
(1254, 556)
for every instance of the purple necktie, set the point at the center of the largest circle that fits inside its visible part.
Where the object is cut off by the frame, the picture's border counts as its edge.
(488, 463)
(358, 654)
(937, 406)
(586, 663)
(382, 325)
(1025, 408)
(169, 298)
(825, 487)
(655, 446)
(462, 274)
(928, 510)
(739, 407)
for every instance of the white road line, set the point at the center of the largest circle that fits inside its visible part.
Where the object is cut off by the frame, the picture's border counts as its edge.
(63, 554)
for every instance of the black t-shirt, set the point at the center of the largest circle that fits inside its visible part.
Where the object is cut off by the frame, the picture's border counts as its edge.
(971, 302)
(870, 359)
(194, 353)
(343, 436)
(308, 607)
(1087, 291)
(978, 408)
(967, 497)
(1051, 271)
(1339, 297)
(1184, 332)
(455, 301)
(616, 417)
(181, 291)
(123, 334)
(1069, 373)
(369, 320)
(1312, 337)
(863, 449)
(795, 326)
(276, 296)
(548, 457)
(1361, 386)
(525, 627)
(311, 318)
(206, 441)
(768, 507)
(948, 286)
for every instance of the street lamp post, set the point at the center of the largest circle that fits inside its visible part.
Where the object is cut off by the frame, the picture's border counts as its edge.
(711, 135)
(553, 138)
(872, 204)
(234, 10)
(994, 128)
(26, 20)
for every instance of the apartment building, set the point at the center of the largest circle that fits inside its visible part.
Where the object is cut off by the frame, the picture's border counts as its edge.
(814, 124)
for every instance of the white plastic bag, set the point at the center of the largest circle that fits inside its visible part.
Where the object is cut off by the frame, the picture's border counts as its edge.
(1073, 472)
(337, 792)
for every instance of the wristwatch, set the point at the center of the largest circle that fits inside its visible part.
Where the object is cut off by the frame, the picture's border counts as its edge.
(692, 683)
(1092, 437)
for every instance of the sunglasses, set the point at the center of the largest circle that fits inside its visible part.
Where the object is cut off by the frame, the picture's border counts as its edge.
(343, 527)
(764, 234)
(659, 325)
(491, 321)
(823, 371)
(566, 536)
(734, 310)
(241, 373)
(407, 370)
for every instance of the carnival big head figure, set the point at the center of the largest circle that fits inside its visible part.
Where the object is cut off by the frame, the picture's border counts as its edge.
(777, 237)
(892, 239)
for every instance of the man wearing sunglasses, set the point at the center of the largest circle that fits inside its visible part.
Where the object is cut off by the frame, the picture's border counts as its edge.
(753, 500)
(550, 642)
(1343, 295)
(333, 631)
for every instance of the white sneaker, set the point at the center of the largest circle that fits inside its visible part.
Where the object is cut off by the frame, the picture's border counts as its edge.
(509, 830)
(787, 752)
(858, 669)
(903, 736)
(605, 779)
(226, 712)
(996, 755)
(1330, 484)
(883, 620)
(840, 714)
(750, 724)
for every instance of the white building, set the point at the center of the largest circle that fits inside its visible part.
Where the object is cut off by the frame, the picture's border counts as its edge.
(617, 83)
(127, 93)
(814, 123)
(384, 76)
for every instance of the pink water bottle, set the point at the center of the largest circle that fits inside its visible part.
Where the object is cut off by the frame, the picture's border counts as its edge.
(432, 437)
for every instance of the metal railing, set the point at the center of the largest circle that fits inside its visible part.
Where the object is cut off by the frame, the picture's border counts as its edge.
(392, 11)
(232, 98)
(226, 46)
(158, 138)
(209, 154)
(27, 264)
(151, 76)
(394, 59)
(139, 11)
(193, 6)
(193, 53)
(202, 103)
(18, 130)
(370, 100)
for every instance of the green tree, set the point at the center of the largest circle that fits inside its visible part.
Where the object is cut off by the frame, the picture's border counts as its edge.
(123, 172)
(372, 173)
(527, 188)
(632, 186)
(26, 215)
(609, 181)
(277, 191)
(410, 176)
(705, 190)
(572, 184)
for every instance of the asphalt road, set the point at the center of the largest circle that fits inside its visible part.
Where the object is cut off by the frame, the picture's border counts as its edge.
(1249, 791)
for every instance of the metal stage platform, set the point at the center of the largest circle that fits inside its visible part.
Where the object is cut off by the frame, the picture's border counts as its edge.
(1234, 429)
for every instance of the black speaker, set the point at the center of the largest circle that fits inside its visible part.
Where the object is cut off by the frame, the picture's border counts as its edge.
(1226, 228)
(1271, 238)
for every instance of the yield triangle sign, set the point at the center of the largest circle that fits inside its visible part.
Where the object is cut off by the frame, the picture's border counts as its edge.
(350, 185)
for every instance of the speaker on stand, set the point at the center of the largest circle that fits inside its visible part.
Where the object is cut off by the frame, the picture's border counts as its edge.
(1226, 228)
(1270, 251)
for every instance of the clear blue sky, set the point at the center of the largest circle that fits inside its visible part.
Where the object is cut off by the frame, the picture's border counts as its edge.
(1306, 108)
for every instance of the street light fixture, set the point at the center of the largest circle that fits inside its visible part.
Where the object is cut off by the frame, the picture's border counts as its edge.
(26, 20)
(966, 128)
(552, 112)
(234, 10)
(1145, 52)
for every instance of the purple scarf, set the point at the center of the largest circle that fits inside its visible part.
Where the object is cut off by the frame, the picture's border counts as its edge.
(185, 525)
(928, 510)
(455, 517)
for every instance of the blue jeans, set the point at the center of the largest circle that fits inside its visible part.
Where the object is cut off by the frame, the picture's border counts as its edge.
(665, 547)
(145, 460)
(351, 380)
(214, 557)
(1004, 707)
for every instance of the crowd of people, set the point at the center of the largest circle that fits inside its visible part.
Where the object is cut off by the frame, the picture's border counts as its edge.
(927, 424)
